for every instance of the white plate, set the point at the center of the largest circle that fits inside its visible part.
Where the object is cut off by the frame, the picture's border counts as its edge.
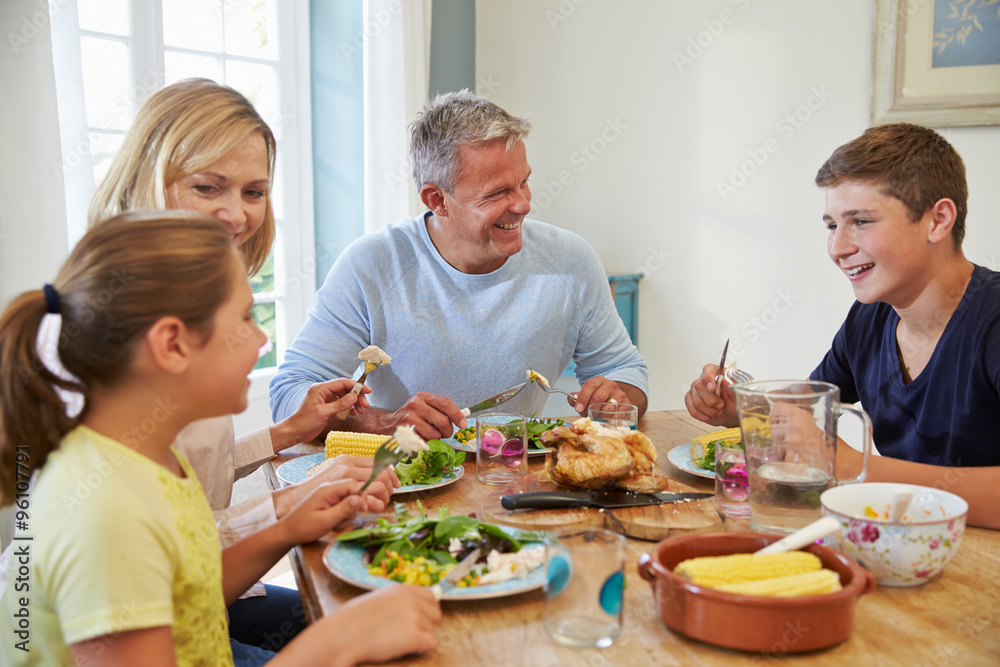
(302, 467)
(345, 562)
(680, 456)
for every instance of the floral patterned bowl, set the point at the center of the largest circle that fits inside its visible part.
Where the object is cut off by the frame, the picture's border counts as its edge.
(899, 553)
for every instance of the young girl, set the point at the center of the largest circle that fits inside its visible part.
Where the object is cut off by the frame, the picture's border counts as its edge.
(117, 560)
(198, 145)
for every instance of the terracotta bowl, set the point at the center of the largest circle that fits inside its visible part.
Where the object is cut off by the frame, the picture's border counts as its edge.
(746, 622)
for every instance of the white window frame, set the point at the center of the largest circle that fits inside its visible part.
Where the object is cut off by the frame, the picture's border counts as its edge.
(294, 255)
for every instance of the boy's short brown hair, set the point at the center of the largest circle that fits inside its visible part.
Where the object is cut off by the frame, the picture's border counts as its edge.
(914, 164)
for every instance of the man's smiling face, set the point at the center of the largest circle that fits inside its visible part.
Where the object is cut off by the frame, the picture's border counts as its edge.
(485, 210)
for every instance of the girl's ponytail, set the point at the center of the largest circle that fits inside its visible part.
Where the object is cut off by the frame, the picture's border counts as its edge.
(123, 276)
(33, 417)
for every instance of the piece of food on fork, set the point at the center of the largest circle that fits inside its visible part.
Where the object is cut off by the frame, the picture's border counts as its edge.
(535, 376)
(373, 356)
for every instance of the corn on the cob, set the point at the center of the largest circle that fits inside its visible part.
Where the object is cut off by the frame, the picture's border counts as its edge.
(714, 571)
(756, 425)
(698, 444)
(792, 585)
(357, 444)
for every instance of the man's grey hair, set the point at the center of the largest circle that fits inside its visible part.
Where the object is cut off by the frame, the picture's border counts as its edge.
(453, 120)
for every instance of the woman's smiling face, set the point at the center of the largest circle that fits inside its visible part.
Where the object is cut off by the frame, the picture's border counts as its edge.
(234, 189)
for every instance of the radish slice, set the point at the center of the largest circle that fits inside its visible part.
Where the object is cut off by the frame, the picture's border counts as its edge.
(492, 441)
(512, 452)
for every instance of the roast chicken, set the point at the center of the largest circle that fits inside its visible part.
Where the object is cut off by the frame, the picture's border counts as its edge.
(588, 455)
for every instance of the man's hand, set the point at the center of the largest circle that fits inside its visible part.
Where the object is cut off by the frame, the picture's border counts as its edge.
(597, 389)
(704, 405)
(431, 415)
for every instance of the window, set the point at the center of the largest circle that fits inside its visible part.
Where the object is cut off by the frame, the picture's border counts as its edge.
(131, 48)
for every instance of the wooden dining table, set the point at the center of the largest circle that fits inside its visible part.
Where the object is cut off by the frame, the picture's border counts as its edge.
(952, 620)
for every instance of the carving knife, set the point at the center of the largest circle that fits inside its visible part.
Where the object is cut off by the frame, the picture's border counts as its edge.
(542, 500)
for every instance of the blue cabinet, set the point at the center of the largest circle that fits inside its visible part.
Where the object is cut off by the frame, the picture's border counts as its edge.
(625, 291)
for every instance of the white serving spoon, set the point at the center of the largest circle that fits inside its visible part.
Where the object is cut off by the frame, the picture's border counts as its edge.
(806, 535)
(900, 502)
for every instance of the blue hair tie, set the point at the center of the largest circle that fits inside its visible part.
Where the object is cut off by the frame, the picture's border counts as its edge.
(51, 299)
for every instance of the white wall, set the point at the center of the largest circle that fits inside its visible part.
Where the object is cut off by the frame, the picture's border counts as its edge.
(751, 265)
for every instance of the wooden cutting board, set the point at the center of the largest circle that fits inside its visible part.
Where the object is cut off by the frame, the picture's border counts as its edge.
(648, 522)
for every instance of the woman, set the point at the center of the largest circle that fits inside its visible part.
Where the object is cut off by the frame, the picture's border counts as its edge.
(202, 146)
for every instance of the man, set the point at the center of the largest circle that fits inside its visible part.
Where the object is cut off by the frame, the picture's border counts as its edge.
(921, 346)
(466, 297)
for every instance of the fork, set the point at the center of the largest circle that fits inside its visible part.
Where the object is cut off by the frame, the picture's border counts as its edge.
(383, 458)
(553, 390)
(739, 376)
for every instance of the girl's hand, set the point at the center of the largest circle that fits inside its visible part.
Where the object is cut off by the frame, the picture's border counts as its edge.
(358, 468)
(387, 623)
(411, 612)
(321, 403)
(330, 506)
(374, 627)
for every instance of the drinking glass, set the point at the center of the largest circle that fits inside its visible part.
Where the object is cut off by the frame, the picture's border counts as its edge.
(584, 586)
(501, 448)
(732, 489)
(790, 437)
(620, 415)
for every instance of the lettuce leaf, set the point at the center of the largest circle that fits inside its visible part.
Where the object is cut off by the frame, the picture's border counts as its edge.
(431, 465)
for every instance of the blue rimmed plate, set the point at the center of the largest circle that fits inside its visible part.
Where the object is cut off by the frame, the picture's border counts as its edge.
(345, 562)
(303, 467)
(680, 456)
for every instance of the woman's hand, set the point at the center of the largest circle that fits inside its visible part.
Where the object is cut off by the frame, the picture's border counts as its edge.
(321, 403)
(355, 468)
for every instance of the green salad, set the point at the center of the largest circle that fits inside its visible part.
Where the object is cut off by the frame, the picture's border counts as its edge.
(707, 462)
(429, 466)
(416, 534)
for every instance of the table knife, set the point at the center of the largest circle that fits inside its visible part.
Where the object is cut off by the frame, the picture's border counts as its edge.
(540, 500)
(722, 370)
(456, 575)
(494, 401)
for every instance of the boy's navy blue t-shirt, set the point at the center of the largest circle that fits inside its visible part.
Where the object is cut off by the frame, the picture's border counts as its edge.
(950, 414)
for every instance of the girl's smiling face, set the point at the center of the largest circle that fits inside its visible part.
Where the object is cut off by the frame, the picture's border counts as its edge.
(224, 362)
(234, 189)
(875, 243)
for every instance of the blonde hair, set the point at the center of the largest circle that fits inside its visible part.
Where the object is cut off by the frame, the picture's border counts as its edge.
(180, 130)
(451, 121)
(123, 276)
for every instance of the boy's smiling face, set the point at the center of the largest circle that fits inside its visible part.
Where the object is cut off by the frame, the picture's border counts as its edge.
(876, 244)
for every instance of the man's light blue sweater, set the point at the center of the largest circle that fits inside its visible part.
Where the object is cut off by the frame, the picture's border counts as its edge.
(459, 335)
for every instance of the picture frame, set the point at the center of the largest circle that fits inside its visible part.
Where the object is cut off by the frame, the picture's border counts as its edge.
(936, 62)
